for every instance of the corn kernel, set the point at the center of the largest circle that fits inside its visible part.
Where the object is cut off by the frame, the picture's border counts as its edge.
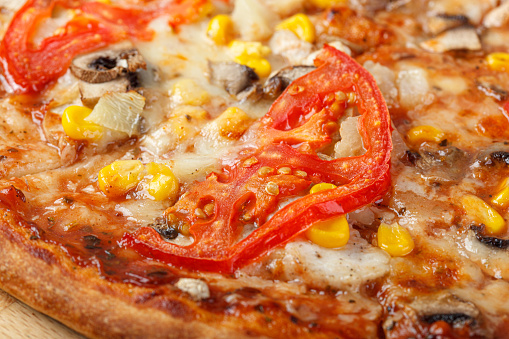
(164, 185)
(327, 3)
(321, 187)
(232, 123)
(300, 25)
(120, 177)
(481, 212)
(395, 240)
(251, 54)
(183, 121)
(220, 29)
(498, 61)
(252, 49)
(330, 233)
(187, 92)
(501, 199)
(75, 126)
(420, 134)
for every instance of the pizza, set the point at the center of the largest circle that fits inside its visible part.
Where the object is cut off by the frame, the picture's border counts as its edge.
(257, 168)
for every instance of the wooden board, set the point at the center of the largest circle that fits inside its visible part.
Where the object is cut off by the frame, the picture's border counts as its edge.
(18, 320)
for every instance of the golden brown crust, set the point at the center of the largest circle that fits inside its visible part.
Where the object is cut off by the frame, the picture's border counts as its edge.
(40, 276)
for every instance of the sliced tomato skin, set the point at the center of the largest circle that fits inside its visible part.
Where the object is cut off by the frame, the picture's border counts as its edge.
(361, 180)
(29, 69)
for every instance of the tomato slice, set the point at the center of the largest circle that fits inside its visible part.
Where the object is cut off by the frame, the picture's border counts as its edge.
(29, 69)
(245, 193)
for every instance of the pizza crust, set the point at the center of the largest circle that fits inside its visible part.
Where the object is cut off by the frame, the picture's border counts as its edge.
(39, 275)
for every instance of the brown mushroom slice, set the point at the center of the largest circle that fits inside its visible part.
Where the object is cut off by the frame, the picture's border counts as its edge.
(232, 76)
(461, 38)
(107, 64)
(91, 93)
(277, 83)
(443, 22)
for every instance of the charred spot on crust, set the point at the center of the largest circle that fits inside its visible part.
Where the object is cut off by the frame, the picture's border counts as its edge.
(450, 318)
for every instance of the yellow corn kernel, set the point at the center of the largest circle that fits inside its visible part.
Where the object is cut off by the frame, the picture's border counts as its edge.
(481, 212)
(251, 54)
(261, 66)
(501, 199)
(232, 123)
(420, 134)
(498, 61)
(252, 49)
(183, 121)
(220, 29)
(321, 187)
(187, 92)
(395, 240)
(120, 177)
(164, 185)
(75, 126)
(327, 3)
(300, 25)
(330, 233)
(104, 1)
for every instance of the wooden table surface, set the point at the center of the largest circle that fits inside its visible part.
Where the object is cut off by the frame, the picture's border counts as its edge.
(18, 320)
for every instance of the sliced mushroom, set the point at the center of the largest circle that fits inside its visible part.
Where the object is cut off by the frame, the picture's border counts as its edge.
(108, 64)
(489, 241)
(488, 85)
(91, 93)
(252, 93)
(232, 76)
(497, 153)
(277, 83)
(443, 22)
(461, 38)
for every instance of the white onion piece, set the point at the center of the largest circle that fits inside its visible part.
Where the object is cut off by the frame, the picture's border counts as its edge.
(119, 112)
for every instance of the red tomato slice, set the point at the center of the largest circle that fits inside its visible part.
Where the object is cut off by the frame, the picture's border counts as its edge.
(242, 194)
(29, 69)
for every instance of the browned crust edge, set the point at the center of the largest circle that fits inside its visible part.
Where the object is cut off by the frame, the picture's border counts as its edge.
(41, 276)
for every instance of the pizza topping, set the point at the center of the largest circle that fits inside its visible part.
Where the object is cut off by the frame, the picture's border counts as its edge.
(29, 68)
(233, 76)
(108, 64)
(489, 241)
(91, 93)
(498, 16)
(481, 212)
(75, 125)
(220, 29)
(163, 185)
(461, 38)
(425, 133)
(395, 240)
(294, 123)
(119, 112)
(501, 198)
(330, 233)
(251, 54)
(279, 81)
(498, 61)
(120, 177)
(300, 25)
(197, 289)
